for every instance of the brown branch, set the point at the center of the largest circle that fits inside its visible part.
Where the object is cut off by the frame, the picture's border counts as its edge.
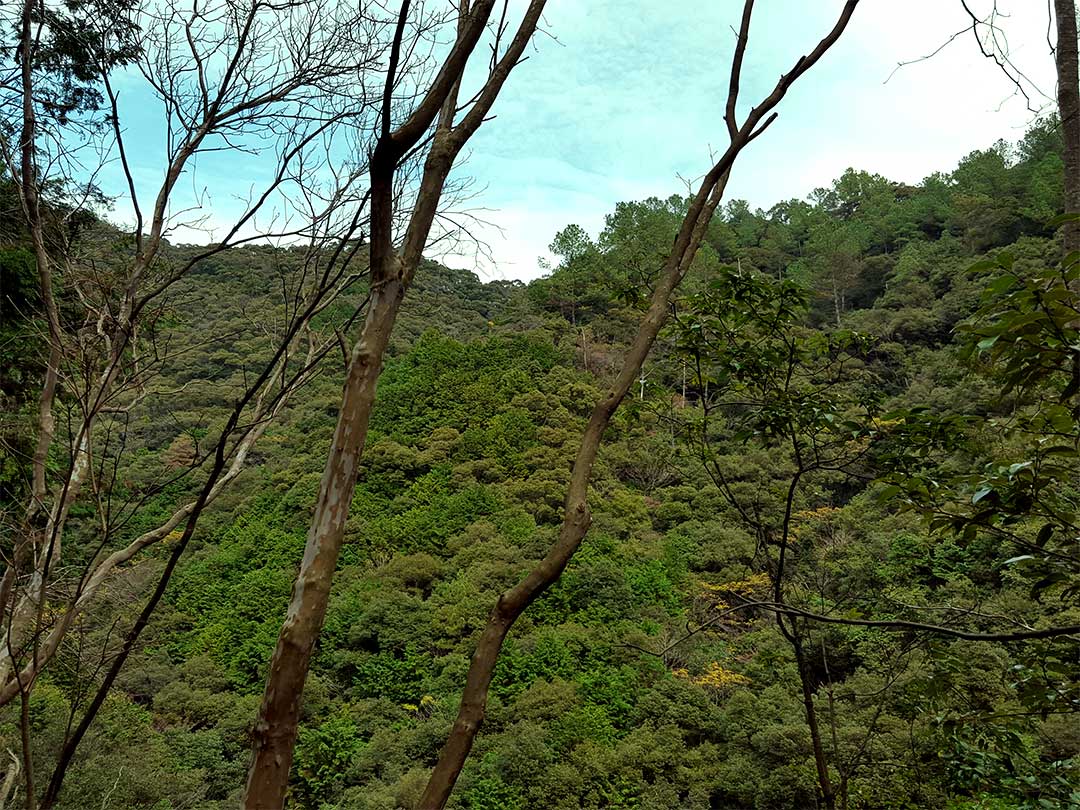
(391, 275)
(736, 69)
(1064, 631)
(512, 603)
(391, 71)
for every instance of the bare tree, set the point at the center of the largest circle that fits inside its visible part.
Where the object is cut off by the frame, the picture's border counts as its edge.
(295, 360)
(993, 42)
(280, 78)
(576, 520)
(432, 121)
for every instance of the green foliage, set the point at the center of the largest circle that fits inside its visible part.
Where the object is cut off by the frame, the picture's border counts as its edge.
(321, 755)
(824, 327)
(234, 596)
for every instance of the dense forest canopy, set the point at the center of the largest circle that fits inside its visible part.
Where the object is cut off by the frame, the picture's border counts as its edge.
(733, 508)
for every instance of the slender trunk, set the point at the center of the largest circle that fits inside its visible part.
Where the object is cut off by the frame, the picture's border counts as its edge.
(36, 511)
(576, 518)
(32, 211)
(27, 754)
(576, 521)
(1068, 93)
(828, 795)
(830, 692)
(34, 534)
(279, 717)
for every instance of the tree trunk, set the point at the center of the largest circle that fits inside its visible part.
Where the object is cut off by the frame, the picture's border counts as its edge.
(576, 517)
(391, 274)
(1068, 93)
(279, 717)
(828, 795)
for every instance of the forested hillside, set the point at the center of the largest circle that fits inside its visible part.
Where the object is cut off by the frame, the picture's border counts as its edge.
(734, 509)
(836, 426)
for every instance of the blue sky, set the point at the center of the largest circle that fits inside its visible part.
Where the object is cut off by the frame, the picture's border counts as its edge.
(626, 102)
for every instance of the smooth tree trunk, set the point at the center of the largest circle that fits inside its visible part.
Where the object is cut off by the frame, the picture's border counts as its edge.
(1068, 93)
(392, 272)
(827, 797)
(576, 516)
(275, 732)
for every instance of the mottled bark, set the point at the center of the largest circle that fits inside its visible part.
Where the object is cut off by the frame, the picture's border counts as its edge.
(9, 780)
(275, 731)
(392, 272)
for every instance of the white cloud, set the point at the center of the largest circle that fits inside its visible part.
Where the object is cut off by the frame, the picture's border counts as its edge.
(630, 101)
(631, 97)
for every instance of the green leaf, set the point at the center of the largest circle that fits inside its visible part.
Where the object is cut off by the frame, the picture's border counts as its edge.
(1044, 534)
(890, 491)
(1061, 219)
(1000, 284)
(1061, 450)
(983, 265)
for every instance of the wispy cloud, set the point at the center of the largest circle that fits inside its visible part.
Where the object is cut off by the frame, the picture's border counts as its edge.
(628, 103)
(631, 100)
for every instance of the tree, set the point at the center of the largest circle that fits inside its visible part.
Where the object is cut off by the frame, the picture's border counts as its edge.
(838, 247)
(392, 270)
(766, 381)
(1005, 486)
(270, 76)
(993, 44)
(576, 518)
(573, 287)
(1068, 96)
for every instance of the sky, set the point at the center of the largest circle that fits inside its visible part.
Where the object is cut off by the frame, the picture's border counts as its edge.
(623, 100)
